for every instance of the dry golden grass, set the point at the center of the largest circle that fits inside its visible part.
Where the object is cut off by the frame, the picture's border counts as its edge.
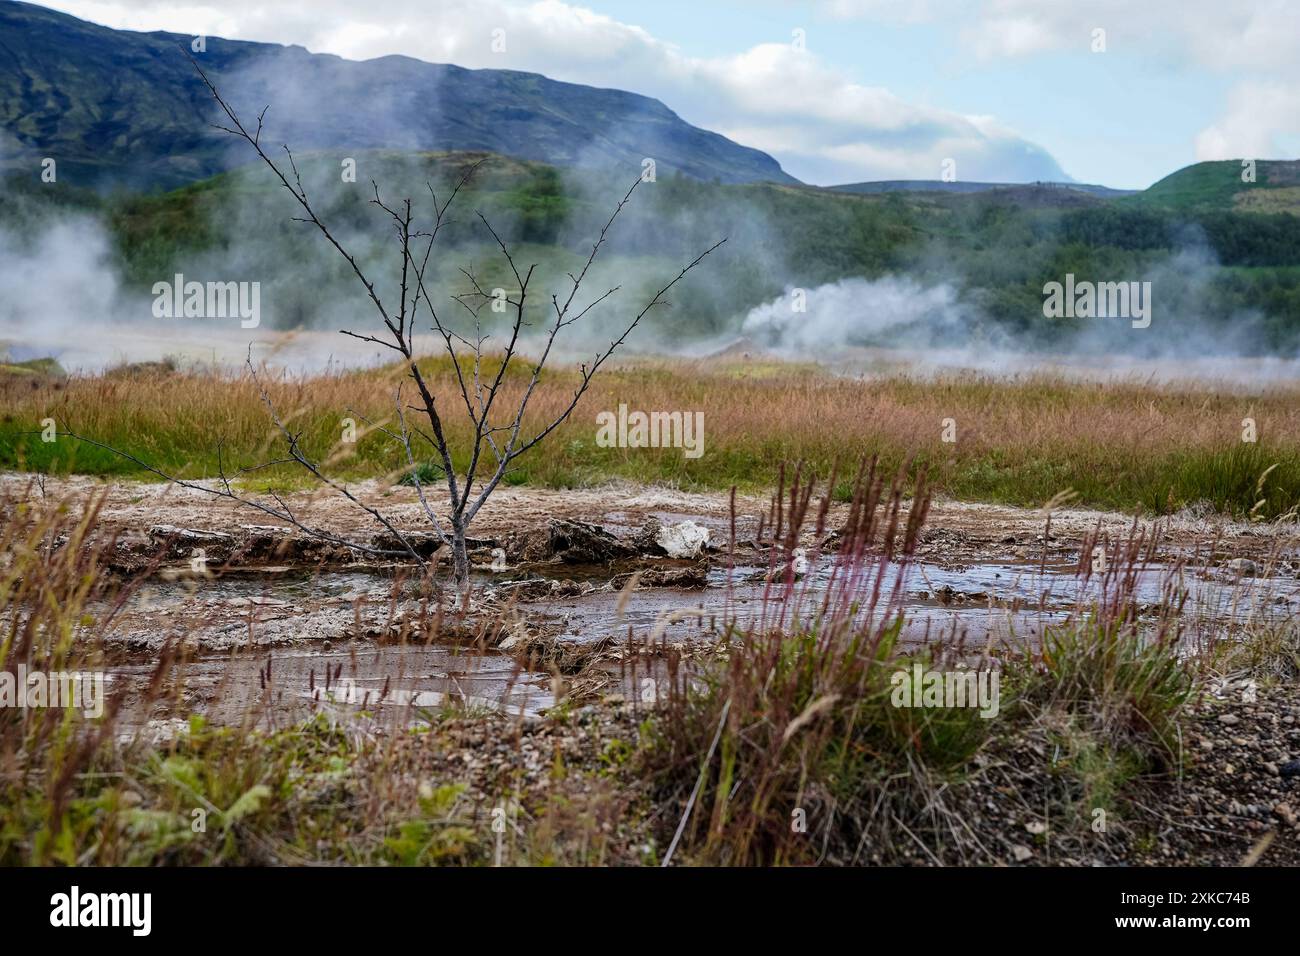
(1123, 445)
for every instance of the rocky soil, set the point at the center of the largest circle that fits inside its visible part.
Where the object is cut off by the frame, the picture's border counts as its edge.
(1235, 798)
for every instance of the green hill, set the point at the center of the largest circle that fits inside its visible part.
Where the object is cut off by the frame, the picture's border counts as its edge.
(1218, 186)
(961, 186)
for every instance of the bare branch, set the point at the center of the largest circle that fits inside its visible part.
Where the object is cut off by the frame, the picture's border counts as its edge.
(404, 439)
(299, 194)
(588, 372)
(296, 453)
(284, 514)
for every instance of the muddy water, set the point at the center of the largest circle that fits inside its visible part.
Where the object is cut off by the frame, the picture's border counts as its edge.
(1009, 601)
(306, 626)
(409, 682)
(282, 644)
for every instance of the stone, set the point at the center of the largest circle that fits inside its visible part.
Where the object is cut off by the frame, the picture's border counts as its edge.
(685, 539)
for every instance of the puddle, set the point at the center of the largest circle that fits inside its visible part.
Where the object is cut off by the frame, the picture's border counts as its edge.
(292, 685)
(1001, 598)
(311, 624)
(1005, 601)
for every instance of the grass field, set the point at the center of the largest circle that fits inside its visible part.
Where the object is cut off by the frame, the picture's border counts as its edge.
(1124, 446)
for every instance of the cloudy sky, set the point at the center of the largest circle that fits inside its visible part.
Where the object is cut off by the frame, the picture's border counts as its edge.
(852, 90)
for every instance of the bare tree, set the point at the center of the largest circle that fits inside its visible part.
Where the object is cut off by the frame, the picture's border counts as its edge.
(498, 437)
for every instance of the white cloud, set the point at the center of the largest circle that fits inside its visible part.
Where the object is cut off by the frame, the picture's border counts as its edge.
(1257, 42)
(1245, 34)
(1257, 114)
(820, 124)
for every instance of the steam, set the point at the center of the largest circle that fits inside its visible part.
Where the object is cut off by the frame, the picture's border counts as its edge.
(900, 323)
(62, 294)
(893, 312)
(58, 282)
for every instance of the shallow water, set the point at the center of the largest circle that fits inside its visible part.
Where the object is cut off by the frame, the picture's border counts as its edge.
(1006, 600)
(290, 684)
(998, 602)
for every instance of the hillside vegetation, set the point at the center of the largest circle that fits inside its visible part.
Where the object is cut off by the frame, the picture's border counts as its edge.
(1224, 277)
(128, 109)
(1219, 186)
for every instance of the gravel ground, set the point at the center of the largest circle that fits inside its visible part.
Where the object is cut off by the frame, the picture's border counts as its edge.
(1236, 800)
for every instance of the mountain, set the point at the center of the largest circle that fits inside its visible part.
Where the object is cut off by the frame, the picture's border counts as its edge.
(1204, 187)
(1207, 187)
(940, 186)
(115, 107)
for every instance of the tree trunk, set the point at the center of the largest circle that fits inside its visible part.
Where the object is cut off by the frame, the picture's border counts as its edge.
(460, 565)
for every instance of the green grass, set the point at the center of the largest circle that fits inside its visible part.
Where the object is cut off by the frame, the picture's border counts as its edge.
(1129, 447)
(1214, 185)
(800, 722)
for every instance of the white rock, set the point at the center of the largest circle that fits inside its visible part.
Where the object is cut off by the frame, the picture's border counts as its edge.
(684, 540)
